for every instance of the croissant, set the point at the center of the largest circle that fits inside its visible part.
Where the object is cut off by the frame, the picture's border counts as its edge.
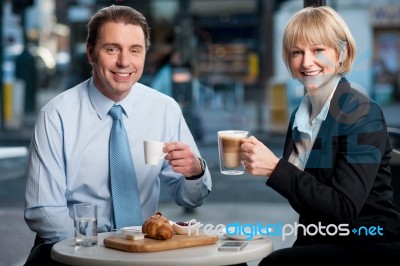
(157, 227)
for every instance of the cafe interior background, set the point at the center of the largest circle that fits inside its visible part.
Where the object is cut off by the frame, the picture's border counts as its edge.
(226, 51)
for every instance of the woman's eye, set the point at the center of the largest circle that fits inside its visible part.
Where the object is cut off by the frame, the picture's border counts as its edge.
(319, 50)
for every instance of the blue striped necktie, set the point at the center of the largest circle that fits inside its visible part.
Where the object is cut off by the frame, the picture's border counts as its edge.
(124, 188)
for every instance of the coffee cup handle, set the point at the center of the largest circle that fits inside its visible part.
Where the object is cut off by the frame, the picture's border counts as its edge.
(163, 155)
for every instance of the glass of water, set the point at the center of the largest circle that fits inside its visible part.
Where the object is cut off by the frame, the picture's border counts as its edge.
(85, 224)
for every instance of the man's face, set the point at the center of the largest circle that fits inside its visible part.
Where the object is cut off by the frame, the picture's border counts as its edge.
(117, 58)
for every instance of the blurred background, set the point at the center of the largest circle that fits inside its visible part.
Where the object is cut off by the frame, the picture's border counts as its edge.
(204, 53)
(220, 59)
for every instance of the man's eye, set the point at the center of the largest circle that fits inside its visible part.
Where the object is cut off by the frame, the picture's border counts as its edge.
(111, 50)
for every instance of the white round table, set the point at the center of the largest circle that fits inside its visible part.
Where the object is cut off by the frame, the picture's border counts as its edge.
(65, 252)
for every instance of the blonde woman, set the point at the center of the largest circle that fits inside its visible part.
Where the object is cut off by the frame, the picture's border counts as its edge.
(335, 167)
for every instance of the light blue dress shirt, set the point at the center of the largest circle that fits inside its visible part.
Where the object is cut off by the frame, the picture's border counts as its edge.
(68, 157)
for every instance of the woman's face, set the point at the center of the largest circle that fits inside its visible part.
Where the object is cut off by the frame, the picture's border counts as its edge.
(314, 65)
(117, 59)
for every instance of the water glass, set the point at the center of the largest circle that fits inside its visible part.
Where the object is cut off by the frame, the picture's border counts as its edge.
(85, 224)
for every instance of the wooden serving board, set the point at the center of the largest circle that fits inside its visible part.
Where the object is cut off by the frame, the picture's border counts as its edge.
(149, 245)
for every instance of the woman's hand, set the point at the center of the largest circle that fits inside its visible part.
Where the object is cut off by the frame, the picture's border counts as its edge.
(258, 159)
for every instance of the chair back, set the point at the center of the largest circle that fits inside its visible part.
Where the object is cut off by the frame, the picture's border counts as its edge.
(394, 135)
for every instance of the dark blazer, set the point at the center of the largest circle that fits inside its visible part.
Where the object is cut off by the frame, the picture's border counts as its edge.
(347, 179)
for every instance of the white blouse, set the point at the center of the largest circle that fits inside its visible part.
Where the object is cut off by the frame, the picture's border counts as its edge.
(308, 131)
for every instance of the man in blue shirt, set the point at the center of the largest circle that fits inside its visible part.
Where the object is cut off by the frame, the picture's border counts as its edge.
(69, 156)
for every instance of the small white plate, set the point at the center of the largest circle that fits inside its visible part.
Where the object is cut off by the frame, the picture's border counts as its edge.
(132, 228)
(138, 228)
(244, 236)
(133, 232)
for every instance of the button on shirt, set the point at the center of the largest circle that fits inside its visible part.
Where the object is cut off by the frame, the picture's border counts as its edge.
(68, 161)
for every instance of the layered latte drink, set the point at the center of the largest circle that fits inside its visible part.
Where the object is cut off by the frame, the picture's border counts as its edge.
(229, 142)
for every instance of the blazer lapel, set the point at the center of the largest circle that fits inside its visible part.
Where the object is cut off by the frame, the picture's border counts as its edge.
(322, 150)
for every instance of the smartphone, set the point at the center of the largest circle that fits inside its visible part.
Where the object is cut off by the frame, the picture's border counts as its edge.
(232, 246)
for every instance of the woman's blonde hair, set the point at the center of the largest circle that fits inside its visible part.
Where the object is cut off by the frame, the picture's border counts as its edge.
(320, 25)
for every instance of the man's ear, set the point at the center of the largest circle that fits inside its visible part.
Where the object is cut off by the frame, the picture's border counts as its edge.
(90, 54)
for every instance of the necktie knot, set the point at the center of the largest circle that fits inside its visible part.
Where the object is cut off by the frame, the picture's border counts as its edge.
(116, 112)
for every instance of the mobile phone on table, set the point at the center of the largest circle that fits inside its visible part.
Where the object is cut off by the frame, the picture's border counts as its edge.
(232, 246)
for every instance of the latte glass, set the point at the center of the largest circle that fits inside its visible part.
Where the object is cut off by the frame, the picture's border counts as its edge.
(229, 142)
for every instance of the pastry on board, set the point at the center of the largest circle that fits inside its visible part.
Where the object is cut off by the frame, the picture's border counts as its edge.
(157, 227)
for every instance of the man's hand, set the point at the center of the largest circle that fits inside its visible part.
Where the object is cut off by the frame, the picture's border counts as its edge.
(182, 159)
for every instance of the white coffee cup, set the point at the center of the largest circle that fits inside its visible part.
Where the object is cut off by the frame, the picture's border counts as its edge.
(153, 152)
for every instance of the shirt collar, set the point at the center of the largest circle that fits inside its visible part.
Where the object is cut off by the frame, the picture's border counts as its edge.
(103, 104)
(303, 112)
